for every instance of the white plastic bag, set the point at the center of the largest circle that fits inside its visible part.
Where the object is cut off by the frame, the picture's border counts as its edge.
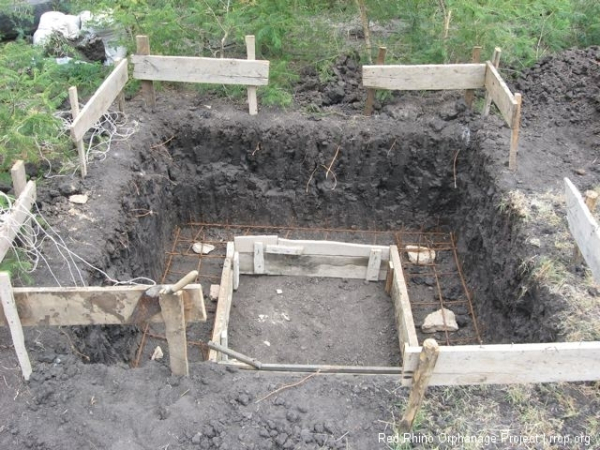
(56, 22)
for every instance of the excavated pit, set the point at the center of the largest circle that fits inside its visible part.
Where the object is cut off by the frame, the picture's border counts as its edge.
(375, 176)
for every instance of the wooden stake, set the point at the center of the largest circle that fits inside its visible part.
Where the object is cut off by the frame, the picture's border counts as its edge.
(591, 199)
(172, 310)
(121, 95)
(371, 92)
(488, 96)
(251, 52)
(14, 322)
(514, 135)
(19, 177)
(143, 48)
(427, 359)
(74, 100)
(470, 93)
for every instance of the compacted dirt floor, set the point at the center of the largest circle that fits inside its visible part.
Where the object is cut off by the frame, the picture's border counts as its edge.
(84, 394)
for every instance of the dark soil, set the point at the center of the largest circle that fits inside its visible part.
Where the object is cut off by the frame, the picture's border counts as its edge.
(314, 321)
(396, 169)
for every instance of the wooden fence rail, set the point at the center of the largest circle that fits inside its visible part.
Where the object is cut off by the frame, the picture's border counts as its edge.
(95, 108)
(454, 77)
(248, 72)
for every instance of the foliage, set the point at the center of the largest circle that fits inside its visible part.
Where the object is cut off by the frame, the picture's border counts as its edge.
(32, 88)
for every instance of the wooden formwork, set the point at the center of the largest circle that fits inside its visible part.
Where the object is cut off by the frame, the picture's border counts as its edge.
(433, 77)
(247, 72)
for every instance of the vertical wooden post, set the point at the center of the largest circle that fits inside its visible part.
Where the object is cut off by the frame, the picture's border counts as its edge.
(470, 93)
(74, 100)
(371, 92)
(19, 177)
(590, 198)
(143, 48)
(514, 134)
(121, 95)
(251, 52)
(259, 258)
(236, 270)
(172, 309)
(488, 96)
(14, 323)
(427, 359)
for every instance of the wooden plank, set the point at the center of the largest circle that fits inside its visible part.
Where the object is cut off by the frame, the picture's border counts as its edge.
(173, 314)
(333, 248)
(11, 316)
(19, 177)
(425, 77)
(510, 363)
(143, 48)
(52, 306)
(74, 100)
(371, 92)
(200, 70)
(245, 244)
(19, 214)
(251, 56)
(500, 93)
(470, 93)
(374, 265)
(427, 359)
(100, 101)
(514, 134)
(284, 249)
(405, 324)
(488, 95)
(259, 258)
(223, 306)
(584, 228)
(236, 271)
(389, 278)
(311, 266)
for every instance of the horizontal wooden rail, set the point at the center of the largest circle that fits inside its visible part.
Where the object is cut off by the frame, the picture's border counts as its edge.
(509, 363)
(425, 77)
(93, 305)
(271, 255)
(200, 70)
(100, 101)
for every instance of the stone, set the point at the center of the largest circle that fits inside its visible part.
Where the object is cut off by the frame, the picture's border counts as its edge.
(214, 292)
(420, 255)
(201, 248)
(580, 172)
(435, 322)
(78, 199)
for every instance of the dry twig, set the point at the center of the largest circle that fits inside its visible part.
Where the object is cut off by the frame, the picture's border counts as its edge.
(287, 386)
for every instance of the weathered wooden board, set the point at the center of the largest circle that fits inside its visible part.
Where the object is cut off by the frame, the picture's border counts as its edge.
(16, 218)
(311, 266)
(500, 93)
(374, 265)
(93, 305)
(584, 228)
(19, 177)
(100, 101)
(245, 244)
(10, 314)
(200, 70)
(425, 77)
(407, 334)
(506, 364)
(173, 314)
(223, 305)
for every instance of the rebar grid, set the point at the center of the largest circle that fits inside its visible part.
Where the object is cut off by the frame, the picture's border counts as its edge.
(180, 259)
